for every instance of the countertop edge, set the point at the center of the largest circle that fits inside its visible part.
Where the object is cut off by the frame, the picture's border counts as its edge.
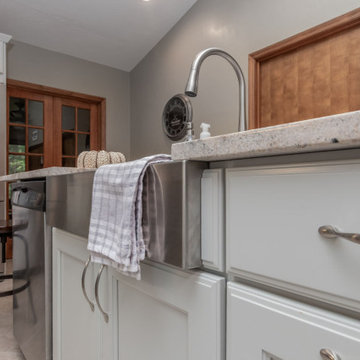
(50, 171)
(333, 132)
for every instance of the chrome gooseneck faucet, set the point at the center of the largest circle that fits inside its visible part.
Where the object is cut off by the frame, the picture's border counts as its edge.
(192, 84)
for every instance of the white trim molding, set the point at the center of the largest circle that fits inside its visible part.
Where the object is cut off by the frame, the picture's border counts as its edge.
(4, 39)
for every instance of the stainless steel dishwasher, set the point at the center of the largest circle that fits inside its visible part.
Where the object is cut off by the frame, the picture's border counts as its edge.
(32, 271)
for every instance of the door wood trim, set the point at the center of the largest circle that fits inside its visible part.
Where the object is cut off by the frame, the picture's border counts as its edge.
(70, 95)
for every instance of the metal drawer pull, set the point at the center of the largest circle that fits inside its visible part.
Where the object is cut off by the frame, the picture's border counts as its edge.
(329, 232)
(327, 354)
(105, 315)
(92, 306)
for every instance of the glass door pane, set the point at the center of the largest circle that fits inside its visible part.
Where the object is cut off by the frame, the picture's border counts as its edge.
(35, 113)
(68, 117)
(36, 162)
(68, 162)
(83, 143)
(83, 120)
(68, 143)
(35, 140)
(17, 139)
(17, 110)
(17, 163)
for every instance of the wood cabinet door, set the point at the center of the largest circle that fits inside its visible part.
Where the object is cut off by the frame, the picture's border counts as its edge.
(77, 330)
(169, 314)
(262, 326)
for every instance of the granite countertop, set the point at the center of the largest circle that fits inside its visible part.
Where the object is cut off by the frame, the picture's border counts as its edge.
(326, 133)
(50, 171)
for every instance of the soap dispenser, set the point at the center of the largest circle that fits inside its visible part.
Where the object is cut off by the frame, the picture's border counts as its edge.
(204, 130)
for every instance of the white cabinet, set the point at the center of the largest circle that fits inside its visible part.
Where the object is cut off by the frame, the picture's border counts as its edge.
(273, 217)
(78, 332)
(262, 326)
(170, 315)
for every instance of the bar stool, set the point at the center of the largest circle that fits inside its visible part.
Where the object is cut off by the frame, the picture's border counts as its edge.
(5, 231)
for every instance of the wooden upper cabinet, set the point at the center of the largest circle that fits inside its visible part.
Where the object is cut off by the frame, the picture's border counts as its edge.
(50, 127)
(312, 74)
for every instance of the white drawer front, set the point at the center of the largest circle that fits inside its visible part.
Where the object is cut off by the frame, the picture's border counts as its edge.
(261, 326)
(273, 216)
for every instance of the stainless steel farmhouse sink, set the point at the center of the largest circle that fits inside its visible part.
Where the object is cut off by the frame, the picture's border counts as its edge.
(173, 220)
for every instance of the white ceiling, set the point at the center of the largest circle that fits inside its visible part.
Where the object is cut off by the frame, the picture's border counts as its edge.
(117, 33)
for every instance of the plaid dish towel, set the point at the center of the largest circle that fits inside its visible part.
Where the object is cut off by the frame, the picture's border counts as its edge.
(115, 235)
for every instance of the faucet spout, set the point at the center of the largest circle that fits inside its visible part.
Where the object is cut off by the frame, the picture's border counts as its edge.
(193, 81)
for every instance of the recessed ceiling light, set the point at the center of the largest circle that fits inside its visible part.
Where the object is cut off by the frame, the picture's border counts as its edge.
(146, 0)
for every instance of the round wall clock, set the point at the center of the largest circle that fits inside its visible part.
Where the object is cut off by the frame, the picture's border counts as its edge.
(177, 112)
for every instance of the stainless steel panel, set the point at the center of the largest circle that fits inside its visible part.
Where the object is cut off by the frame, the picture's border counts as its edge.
(174, 213)
(173, 206)
(48, 293)
(68, 202)
(30, 310)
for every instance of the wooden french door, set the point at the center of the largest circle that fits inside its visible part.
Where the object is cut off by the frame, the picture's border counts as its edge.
(50, 127)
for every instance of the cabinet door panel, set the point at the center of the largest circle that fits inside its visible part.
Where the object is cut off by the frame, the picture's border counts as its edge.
(273, 217)
(105, 329)
(170, 315)
(261, 326)
(75, 334)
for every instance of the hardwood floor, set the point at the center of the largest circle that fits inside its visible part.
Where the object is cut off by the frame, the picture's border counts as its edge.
(8, 346)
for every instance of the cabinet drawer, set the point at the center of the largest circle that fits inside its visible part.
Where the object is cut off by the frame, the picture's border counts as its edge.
(273, 216)
(261, 326)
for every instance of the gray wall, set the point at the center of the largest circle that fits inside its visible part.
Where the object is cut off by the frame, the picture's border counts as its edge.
(238, 26)
(2, 147)
(29, 63)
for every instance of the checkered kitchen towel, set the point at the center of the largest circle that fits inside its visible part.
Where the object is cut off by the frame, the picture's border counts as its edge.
(116, 236)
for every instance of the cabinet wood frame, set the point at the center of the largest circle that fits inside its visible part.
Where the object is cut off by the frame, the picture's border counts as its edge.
(311, 37)
(100, 102)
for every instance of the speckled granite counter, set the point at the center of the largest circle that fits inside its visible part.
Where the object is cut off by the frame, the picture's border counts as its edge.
(326, 133)
(51, 171)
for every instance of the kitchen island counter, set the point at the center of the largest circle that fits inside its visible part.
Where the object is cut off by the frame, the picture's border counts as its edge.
(50, 171)
(334, 132)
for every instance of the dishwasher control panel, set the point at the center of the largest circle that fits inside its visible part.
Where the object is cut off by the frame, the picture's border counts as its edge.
(29, 196)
